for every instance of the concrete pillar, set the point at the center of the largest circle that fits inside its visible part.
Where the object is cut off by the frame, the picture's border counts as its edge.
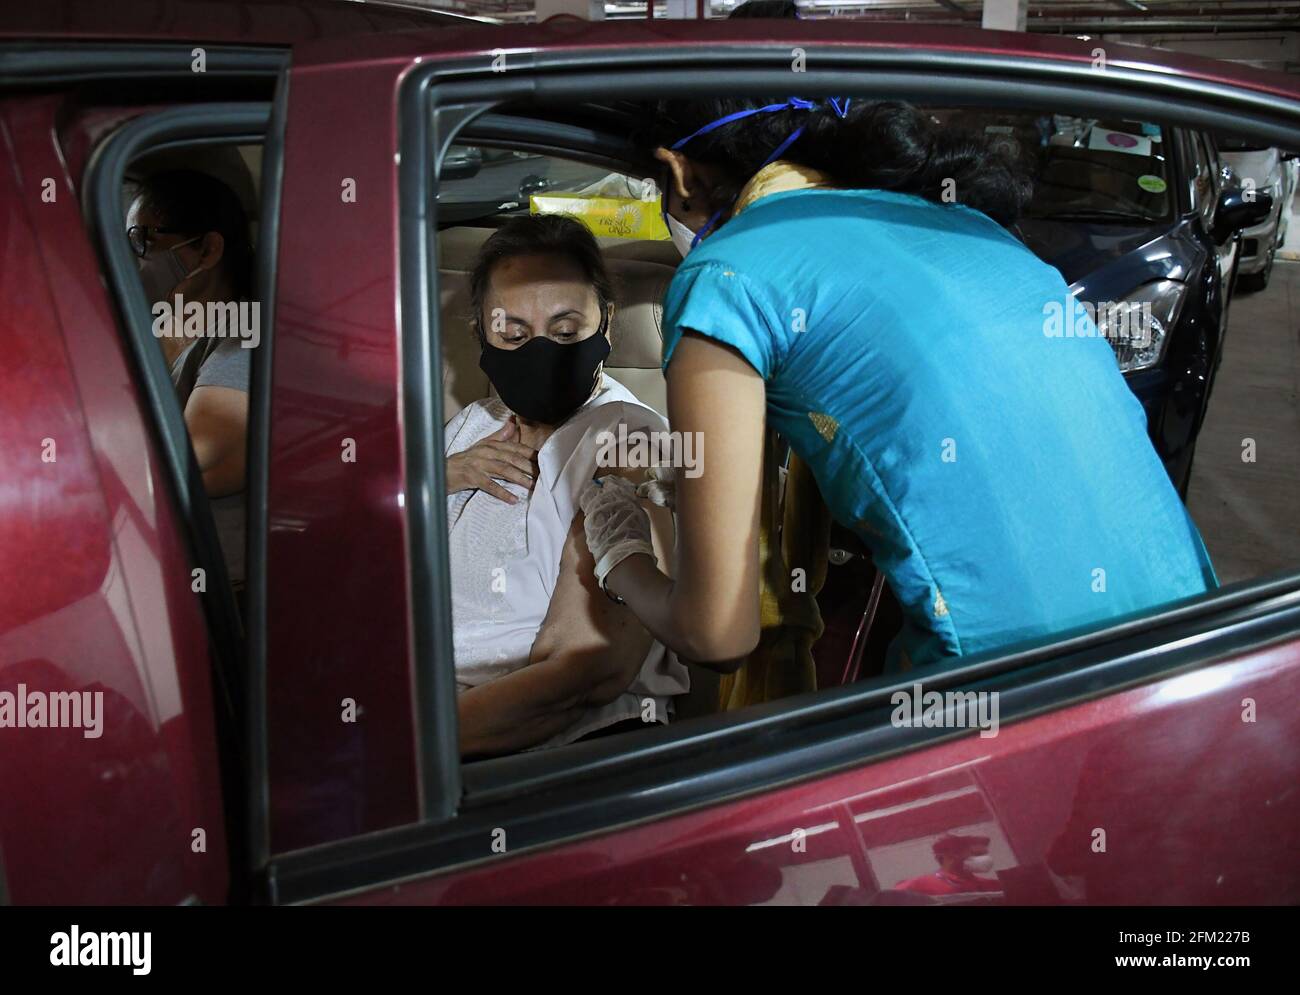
(686, 10)
(588, 10)
(1006, 15)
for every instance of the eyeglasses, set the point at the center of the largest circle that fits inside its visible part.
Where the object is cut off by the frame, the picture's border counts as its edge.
(140, 236)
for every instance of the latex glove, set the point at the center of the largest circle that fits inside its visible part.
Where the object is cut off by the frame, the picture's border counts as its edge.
(617, 526)
(660, 488)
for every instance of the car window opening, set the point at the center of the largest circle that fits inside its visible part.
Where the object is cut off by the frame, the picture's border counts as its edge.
(1093, 181)
(191, 217)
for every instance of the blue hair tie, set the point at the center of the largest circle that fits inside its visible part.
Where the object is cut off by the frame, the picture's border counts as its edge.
(791, 103)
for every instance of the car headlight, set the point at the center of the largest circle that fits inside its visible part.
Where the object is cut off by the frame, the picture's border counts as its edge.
(1138, 327)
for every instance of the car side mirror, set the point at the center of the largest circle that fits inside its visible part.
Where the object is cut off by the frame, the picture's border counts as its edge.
(1240, 209)
(532, 184)
(458, 171)
(460, 163)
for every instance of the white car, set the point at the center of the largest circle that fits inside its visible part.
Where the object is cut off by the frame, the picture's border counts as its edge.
(1270, 171)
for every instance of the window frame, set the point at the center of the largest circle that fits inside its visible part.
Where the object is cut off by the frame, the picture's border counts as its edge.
(1203, 163)
(1180, 171)
(555, 796)
(239, 650)
(1217, 181)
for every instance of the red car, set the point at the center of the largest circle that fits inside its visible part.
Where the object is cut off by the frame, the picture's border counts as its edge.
(308, 753)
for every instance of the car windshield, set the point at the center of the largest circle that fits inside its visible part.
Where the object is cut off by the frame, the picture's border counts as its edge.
(1239, 145)
(1083, 169)
(481, 182)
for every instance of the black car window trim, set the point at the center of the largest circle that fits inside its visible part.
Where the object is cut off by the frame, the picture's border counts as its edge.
(438, 99)
(1181, 167)
(196, 126)
(1208, 159)
(39, 64)
(257, 783)
(1205, 167)
(1216, 165)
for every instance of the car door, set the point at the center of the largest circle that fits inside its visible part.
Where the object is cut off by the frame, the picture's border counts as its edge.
(1127, 765)
(100, 622)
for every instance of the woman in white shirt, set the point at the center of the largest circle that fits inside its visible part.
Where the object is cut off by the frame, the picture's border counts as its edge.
(543, 656)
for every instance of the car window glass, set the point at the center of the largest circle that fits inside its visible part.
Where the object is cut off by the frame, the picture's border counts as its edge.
(1080, 166)
(479, 183)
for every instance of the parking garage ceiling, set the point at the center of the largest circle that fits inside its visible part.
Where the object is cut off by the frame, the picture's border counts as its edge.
(1066, 16)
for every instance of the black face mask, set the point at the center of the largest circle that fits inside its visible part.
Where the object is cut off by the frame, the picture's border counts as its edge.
(543, 380)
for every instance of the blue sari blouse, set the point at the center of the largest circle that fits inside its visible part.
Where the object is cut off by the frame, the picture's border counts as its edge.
(1001, 474)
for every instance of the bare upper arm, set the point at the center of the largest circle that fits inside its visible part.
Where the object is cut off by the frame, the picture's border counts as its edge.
(586, 627)
(716, 395)
(217, 420)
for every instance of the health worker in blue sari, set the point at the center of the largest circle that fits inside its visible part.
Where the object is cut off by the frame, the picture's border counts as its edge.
(850, 280)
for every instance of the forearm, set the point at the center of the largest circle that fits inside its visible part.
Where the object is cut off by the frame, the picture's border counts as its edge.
(586, 653)
(709, 611)
(534, 703)
(660, 605)
(512, 713)
(648, 592)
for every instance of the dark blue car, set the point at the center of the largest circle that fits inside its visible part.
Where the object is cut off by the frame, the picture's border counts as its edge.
(1144, 222)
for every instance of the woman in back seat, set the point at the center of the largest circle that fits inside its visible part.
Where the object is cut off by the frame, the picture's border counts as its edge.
(190, 235)
(543, 657)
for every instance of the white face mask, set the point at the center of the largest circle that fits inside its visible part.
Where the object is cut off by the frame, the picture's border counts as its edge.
(161, 272)
(980, 865)
(681, 235)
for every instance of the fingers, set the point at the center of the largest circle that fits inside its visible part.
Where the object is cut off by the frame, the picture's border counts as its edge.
(497, 491)
(661, 472)
(587, 500)
(658, 493)
(621, 486)
(512, 452)
(509, 471)
(605, 493)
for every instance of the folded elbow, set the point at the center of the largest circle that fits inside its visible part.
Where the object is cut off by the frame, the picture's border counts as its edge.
(593, 679)
(721, 650)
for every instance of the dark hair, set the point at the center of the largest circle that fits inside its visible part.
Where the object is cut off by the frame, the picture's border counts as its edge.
(540, 235)
(196, 203)
(766, 8)
(883, 145)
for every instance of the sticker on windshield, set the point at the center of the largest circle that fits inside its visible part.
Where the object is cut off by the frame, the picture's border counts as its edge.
(1119, 141)
(1152, 184)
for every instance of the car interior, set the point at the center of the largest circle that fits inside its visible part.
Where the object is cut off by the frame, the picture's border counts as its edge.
(238, 166)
